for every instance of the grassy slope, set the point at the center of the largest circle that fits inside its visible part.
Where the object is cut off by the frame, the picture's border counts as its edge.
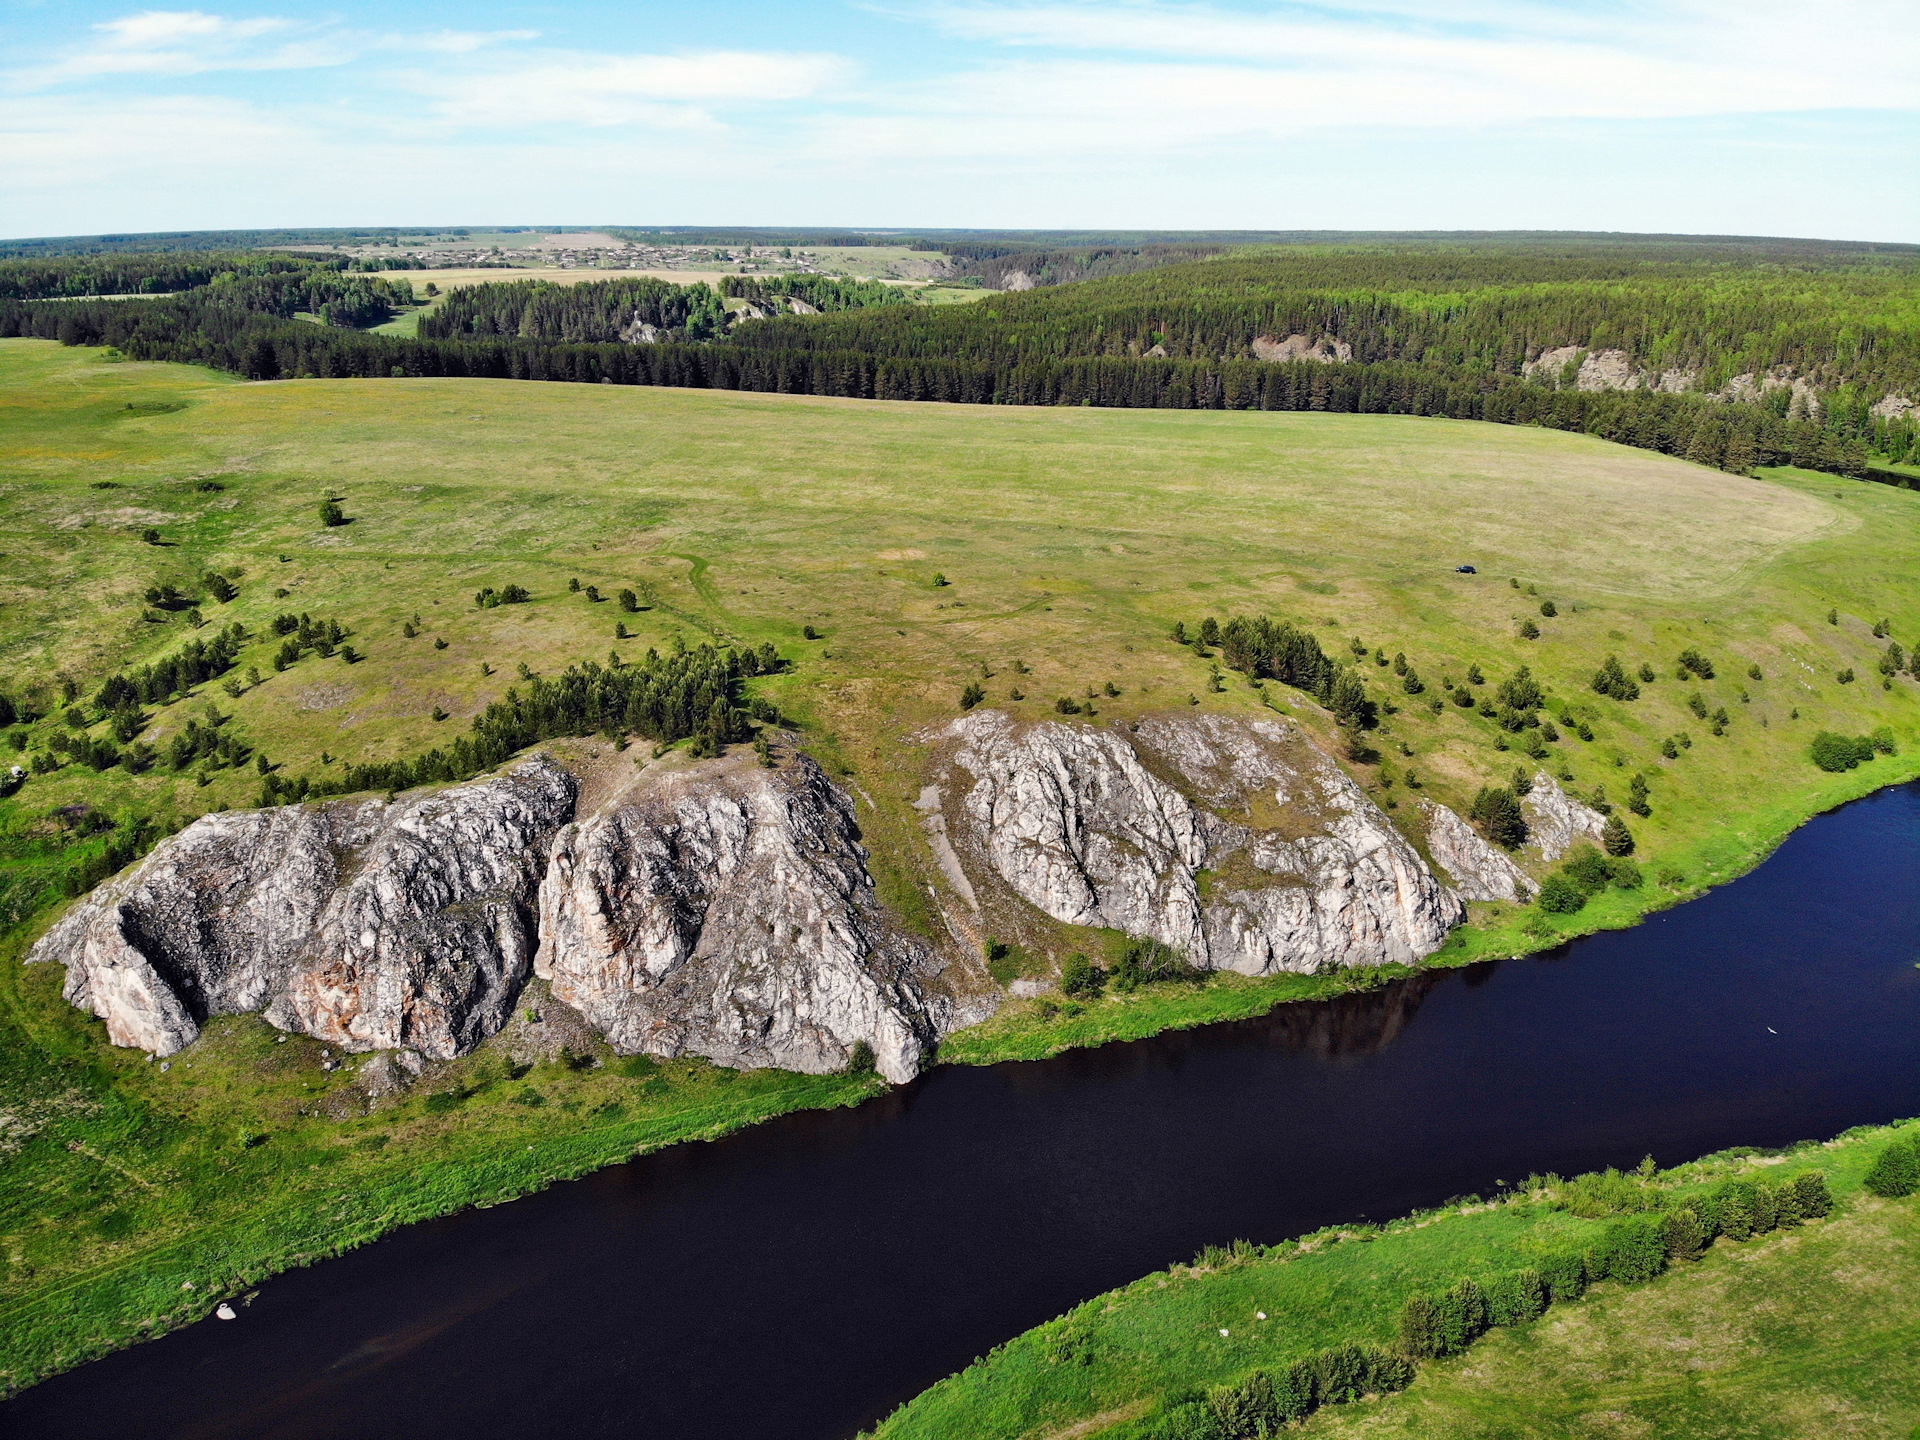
(1072, 540)
(1807, 1331)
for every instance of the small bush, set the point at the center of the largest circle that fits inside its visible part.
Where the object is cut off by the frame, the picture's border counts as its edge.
(1896, 1170)
(1692, 662)
(1561, 896)
(1834, 753)
(1565, 1275)
(1631, 1251)
(1516, 1297)
(1810, 1189)
(331, 514)
(1529, 630)
(972, 695)
(1067, 705)
(1548, 609)
(860, 1058)
(1080, 976)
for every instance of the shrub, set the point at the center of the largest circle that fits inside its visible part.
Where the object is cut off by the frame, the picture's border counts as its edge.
(218, 586)
(1080, 976)
(1067, 705)
(860, 1058)
(1463, 1316)
(1895, 1171)
(1637, 795)
(1686, 1236)
(1845, 677)
(629, 602)
(1834, 753)
(1692, 662)
(1733, 1210)
(807, 632)
(1516, 1297)
(1561, 896)
(972, 695)
(1882, 740)
(1548, 609)
(1420, 1332)
(331, 513)
(1631, 1251)
(1646, 673)
(1529, 630)
(1565, 1275)
(1810, 1188)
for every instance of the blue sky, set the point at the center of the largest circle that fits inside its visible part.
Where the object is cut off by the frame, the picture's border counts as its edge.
(1729, 116)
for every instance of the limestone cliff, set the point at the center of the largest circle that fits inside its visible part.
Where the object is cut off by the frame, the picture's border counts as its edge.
(368, 924)
(727, 911)
(1238, 842)
(1478, 870)
(1556, 822)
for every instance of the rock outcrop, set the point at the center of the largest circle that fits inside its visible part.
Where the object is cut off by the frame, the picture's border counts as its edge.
(1131, 830)
(1556, 822)
(1604, 370)
(1478, 870)
(728, 912)
(362, 923)
(1327, 350)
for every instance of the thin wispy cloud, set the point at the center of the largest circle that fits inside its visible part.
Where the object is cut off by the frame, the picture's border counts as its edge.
(1083, 112)
(675, 91)
(183, 43)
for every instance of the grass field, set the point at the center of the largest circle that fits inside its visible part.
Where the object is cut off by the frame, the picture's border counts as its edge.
(1807, 1331)
(1071, 541)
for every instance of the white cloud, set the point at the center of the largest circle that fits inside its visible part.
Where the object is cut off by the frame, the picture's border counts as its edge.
(179, 43)
(1450, 62)
(672, 91)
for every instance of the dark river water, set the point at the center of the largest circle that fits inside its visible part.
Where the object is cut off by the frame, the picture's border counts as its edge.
(802, 1278)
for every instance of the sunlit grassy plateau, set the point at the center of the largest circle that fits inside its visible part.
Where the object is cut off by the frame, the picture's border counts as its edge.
(1071, 541)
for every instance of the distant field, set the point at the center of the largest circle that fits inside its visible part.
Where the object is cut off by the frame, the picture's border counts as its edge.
(553, 274)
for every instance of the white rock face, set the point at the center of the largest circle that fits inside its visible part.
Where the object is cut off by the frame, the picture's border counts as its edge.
(727, 911)
(365, 924)
(1479, 871)
(1101, 827)
(1605, 370)
(1325, 351)
(1556, 822)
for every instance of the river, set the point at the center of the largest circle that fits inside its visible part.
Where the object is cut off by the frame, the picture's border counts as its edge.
(802, 1278)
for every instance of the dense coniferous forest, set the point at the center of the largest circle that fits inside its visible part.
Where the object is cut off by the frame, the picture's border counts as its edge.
(596, 311)
(1809, 342)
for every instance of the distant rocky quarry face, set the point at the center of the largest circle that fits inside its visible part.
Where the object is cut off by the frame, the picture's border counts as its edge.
(369, 925)
(729, 913)
(1237, 842)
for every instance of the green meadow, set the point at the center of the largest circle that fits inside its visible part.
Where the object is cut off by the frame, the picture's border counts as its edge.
(1069, 542)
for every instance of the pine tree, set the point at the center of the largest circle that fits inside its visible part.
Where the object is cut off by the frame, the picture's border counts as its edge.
(1616, 837)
